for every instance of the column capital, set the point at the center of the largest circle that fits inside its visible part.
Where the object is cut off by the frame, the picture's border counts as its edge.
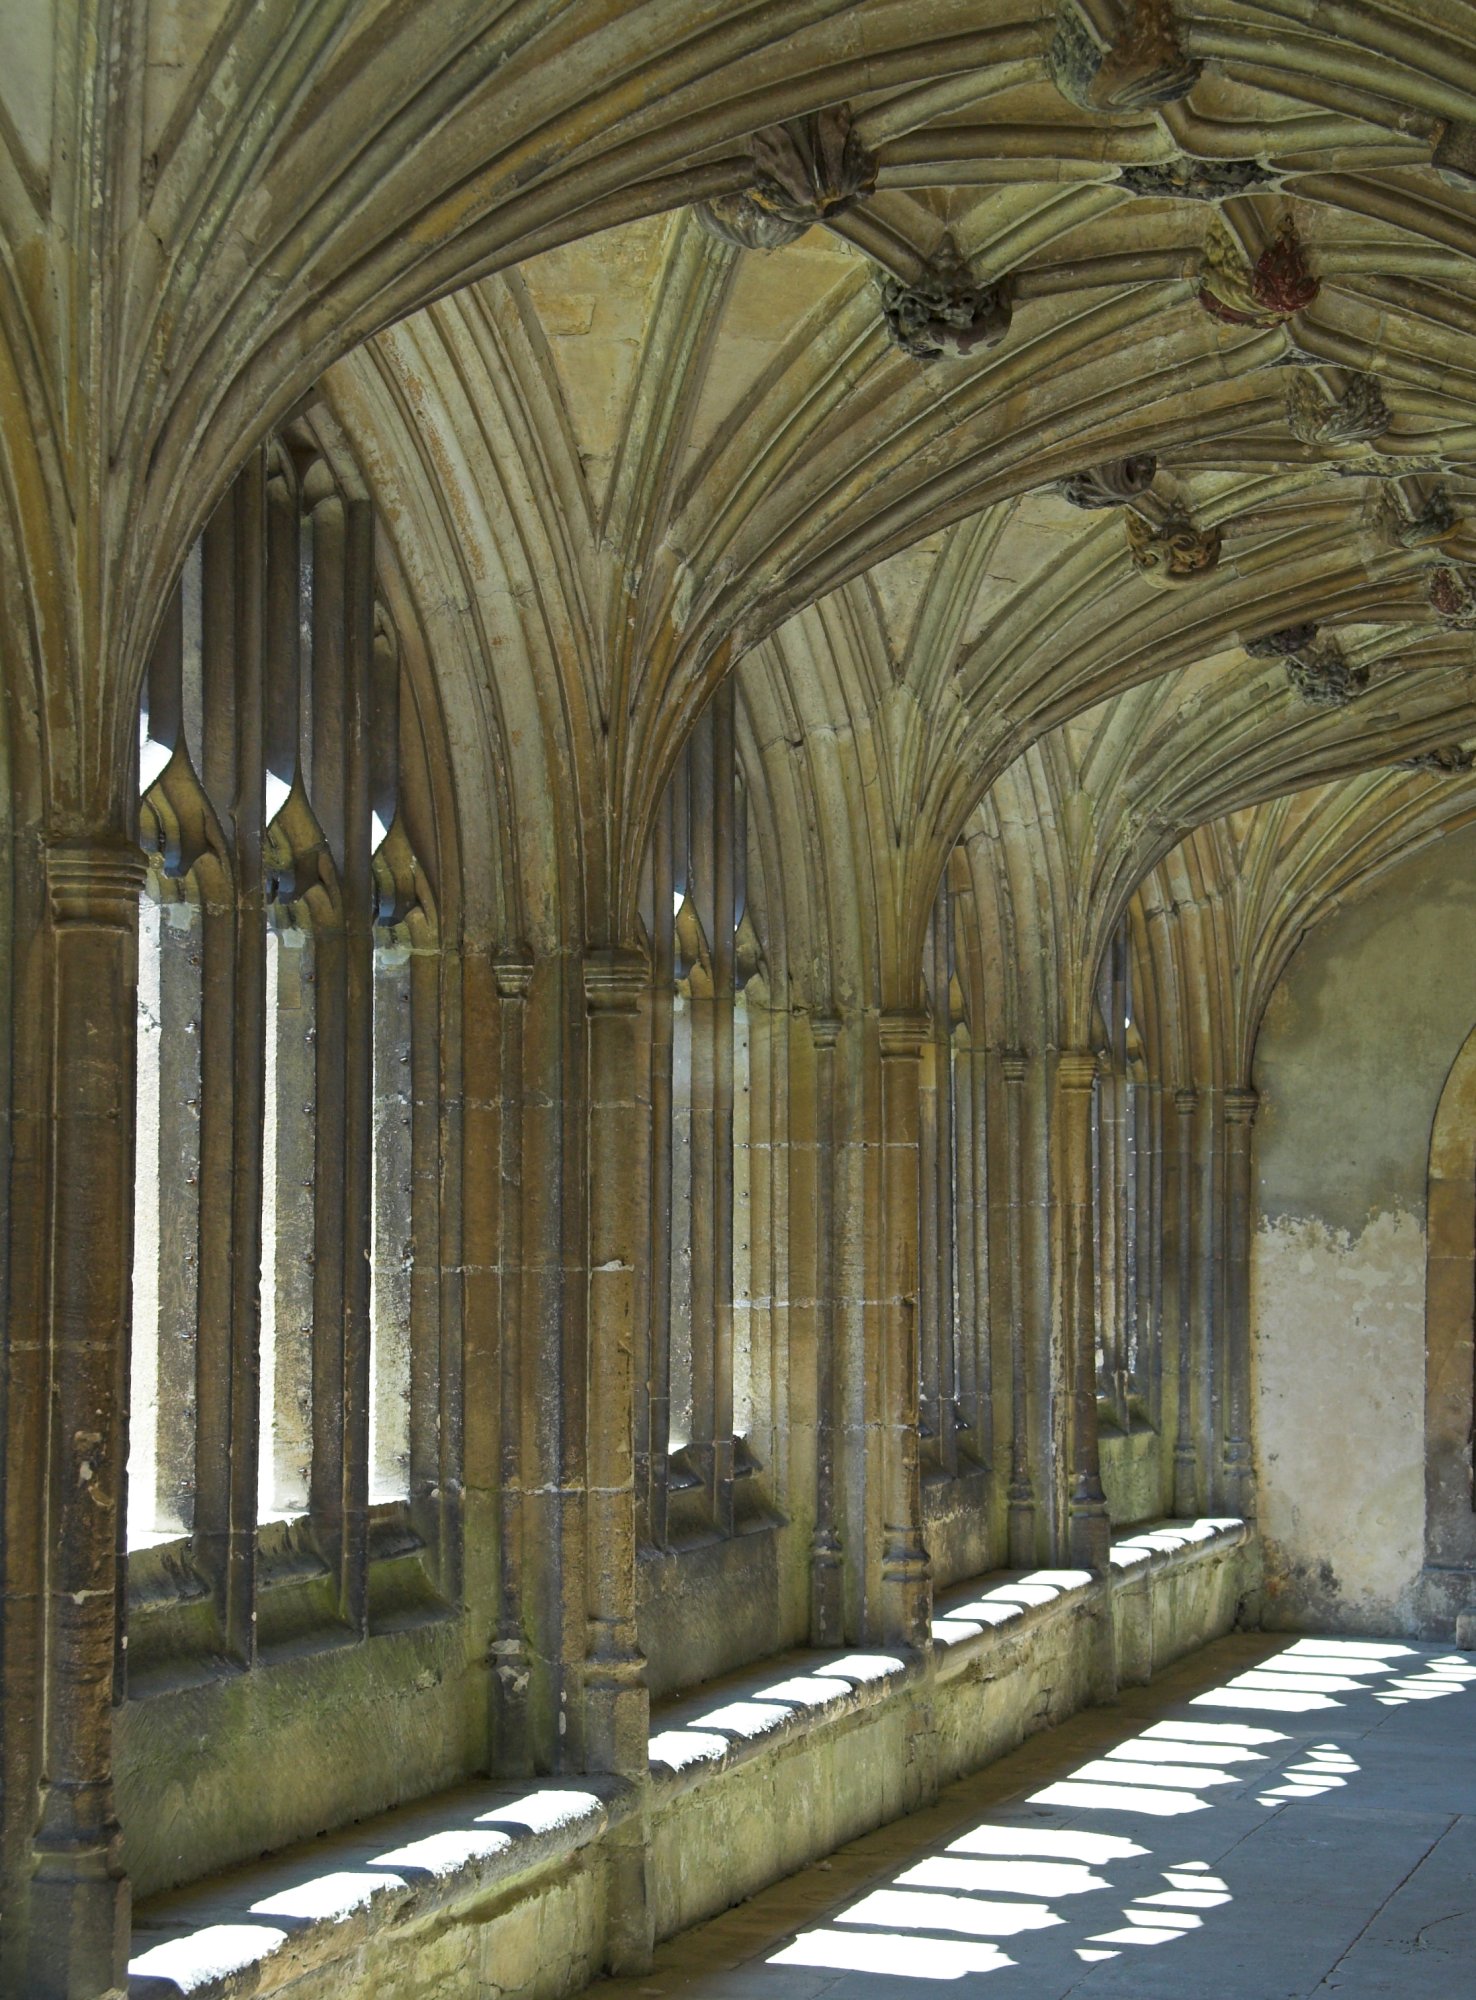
(903, 1033)
(1076, 1070)
(825, 1030)
(1014, 1064)
(1241, 1105)
(95, 883)
(614, 979)
(512, 968)
(1186, 1101)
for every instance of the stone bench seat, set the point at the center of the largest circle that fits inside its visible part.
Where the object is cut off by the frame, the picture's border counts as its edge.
(507, 1887)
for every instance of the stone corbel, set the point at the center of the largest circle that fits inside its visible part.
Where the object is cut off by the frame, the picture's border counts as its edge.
(95, 885)
(614, 979)
(1142, 66)
(945, 311)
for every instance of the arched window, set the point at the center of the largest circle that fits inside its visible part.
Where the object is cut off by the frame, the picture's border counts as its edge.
(289, 1417)
(706, 1127)
(955, 1357)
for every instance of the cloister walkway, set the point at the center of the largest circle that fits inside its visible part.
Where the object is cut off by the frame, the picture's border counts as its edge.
(1277, 1817)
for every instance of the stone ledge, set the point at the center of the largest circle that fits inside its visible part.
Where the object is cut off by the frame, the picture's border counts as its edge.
(260, 1929)
(749, 1778)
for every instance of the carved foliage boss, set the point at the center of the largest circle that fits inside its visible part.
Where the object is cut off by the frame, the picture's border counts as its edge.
(1145, 65)
(805, 170)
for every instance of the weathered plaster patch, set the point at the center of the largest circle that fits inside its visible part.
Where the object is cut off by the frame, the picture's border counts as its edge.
(1339, 1385)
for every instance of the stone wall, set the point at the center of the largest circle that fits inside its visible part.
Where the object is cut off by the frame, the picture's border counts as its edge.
(531, 1893)
(1357, 1044)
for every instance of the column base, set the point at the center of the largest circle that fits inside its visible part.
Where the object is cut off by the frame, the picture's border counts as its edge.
(1186, 1484)
(617, 1714)
(906, 1590)
(1090, 1535)
(1021, 1532)
(827, 1591)
(78, 1930)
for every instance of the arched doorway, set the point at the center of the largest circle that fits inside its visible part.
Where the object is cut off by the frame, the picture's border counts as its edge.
(1450, 1360)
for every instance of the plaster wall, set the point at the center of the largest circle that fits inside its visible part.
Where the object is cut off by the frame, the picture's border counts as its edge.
(1353, 1055)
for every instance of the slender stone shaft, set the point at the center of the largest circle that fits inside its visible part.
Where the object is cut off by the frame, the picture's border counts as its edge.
(1239, 1470)
(616, 1704)
(1186, 1459)
(906, 1594)
(1015, 1067)
(79, 1902)
(1088, 1530)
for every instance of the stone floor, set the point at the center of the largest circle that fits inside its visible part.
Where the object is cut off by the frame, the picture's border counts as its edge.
(1275, 1817)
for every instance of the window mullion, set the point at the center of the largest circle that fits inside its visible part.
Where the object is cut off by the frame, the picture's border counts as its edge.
(232, 1045)
(724, 980)
(663, 991)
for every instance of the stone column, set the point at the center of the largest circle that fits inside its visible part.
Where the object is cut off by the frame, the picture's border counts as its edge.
(1015, 1067)
(905, 1605)
(1239, 1470)
(1089, 1532)
(827, 1582)
(79, 1902)
(513, 1704)
(1186, 1459)
(616, 1704)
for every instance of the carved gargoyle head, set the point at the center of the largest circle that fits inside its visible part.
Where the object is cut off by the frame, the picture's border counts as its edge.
(1323, 677)
(946, 311)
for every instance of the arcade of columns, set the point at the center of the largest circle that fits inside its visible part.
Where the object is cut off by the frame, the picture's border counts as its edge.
(1029, 445)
